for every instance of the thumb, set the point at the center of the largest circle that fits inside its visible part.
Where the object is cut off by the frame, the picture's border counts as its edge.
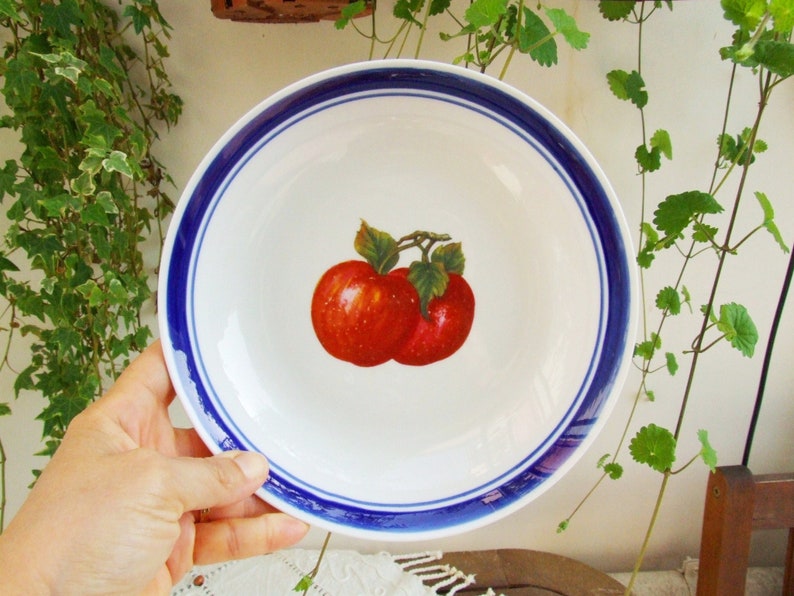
(219, 480)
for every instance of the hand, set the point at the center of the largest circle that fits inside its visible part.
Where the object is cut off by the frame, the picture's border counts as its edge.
(116, 509)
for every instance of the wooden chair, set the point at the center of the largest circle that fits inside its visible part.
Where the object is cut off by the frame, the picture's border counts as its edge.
(738, 502)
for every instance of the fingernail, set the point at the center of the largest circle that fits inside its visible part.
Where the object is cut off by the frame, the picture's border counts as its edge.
(253, 465)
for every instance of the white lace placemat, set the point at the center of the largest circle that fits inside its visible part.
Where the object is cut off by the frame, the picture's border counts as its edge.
(342, 573)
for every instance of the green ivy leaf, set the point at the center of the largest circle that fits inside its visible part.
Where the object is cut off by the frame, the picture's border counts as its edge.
(676, 212)
(94, 214)
(116, 161)
(567, 27)
(140, 20)
(645, 258)
(430, 281)
(377, 247)
(671, 363)
(7, 265)
(484, 13)
(8, 177)
(105, 200)
(782, 12)
(64, 407)
(91, 290)
(98, 126)
(616, 10)
(647, 348)
(350, 12)
(614, 470)
(650, 234)
(661, 141)
(737, 149)
(24, 381)
(110, 62)
(439, 6)
(8, 10)
(737, 326)
(303, 584)
(531, 35)
(628, 86)
(58, 205)
(769, 220)
(746, 14)
(83, 185)
(61, 17)
(775, 56)
(648, 160)
(616, 79)
(407, 9)
(654, 446)
(669, 299)
(635, 89)
(707, 452)
(704, 232)
(117, 293)
(651, 238)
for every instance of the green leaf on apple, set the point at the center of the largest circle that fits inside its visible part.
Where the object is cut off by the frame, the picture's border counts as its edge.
(430, 280)
(451, 257)
(377, 247)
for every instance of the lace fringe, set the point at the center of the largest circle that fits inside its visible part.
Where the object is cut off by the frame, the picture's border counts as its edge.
(444, 576)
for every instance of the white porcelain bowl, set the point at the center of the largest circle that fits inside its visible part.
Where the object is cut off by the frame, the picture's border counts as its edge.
(400, 452)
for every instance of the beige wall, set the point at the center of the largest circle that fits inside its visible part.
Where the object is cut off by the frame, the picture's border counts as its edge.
(222, 69)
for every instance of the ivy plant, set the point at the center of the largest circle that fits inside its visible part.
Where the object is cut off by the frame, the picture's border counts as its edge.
(87, 95)
(696, 224)
(487, 28)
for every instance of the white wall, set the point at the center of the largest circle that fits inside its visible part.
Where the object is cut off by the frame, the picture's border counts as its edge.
(222, 69)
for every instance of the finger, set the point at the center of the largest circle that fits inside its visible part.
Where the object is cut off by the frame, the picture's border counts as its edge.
(251, 507)
(141, 395)
(181, 559)
(231, 476)
(189, 443)
(147, 376)
(241, 538)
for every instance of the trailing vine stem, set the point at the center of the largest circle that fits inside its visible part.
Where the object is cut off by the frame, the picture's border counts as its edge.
(698, 348)
(721, 263)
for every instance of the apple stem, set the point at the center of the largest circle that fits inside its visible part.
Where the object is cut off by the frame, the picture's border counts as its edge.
(423, 240)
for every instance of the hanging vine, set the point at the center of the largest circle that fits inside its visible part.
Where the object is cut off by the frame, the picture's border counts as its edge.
(87, 93)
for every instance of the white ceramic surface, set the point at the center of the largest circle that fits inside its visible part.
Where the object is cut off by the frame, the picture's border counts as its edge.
(400, 452)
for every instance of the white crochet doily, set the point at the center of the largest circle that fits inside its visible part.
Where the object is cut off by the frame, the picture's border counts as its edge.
(342, 573)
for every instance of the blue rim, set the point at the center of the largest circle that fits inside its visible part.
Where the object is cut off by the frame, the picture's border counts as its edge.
(609, 243)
